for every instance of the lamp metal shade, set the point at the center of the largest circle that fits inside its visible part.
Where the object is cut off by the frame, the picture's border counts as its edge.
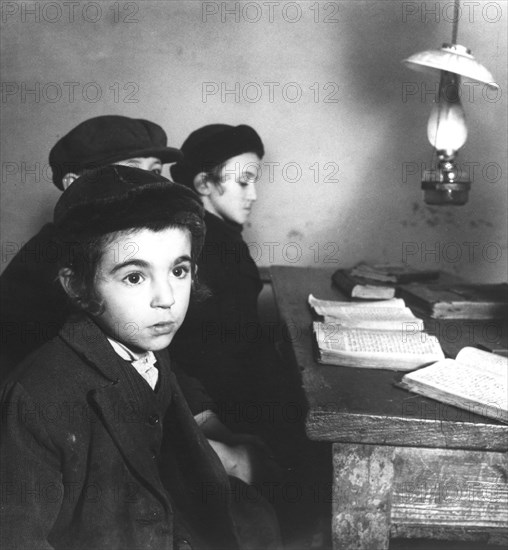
(454, 59)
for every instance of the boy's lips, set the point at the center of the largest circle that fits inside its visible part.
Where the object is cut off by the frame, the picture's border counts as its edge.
(163, 328)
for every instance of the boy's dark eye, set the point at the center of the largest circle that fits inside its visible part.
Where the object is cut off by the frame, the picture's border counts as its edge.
(133, 278)
(156, 171)
(181, 271)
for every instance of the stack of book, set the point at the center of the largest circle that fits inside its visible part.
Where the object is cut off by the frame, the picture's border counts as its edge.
(378, 334)
(431, 293)
(378, 282)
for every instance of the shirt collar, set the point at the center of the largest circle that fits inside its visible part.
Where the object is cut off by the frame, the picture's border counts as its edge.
(125, 353)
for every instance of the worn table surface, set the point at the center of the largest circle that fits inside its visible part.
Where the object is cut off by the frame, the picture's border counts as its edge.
(353, 405)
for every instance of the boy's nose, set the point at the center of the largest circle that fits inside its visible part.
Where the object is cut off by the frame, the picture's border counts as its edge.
(252, 194)
(163, 295)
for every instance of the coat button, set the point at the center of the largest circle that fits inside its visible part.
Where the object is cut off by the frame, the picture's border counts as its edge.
(153, 419)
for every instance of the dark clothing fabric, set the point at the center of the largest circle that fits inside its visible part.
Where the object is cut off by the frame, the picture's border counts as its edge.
(221, 341)
(34, 307)
(92, 458)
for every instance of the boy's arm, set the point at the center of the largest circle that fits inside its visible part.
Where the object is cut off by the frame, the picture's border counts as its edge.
(238, 453)
(194, 392)
(31, 481)
(244, 456)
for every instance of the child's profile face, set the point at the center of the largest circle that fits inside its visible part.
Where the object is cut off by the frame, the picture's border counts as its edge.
(144, 281)
(234, 197)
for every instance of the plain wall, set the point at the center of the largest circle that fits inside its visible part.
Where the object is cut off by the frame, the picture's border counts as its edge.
(350, 150)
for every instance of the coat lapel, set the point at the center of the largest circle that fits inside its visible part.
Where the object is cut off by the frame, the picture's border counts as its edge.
(111, 397)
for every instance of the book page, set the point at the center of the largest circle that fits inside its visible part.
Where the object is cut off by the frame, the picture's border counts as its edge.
(377, 323)
(465, 382)
(329, 307)
(331, 336)
(483, 360)
(372, 313)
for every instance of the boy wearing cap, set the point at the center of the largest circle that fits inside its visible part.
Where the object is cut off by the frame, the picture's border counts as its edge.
(99, 449)
(219, 342)
(33, 306)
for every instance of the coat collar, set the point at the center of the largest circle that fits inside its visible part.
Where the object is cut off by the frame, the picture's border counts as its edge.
(214, 223)
(85, 337)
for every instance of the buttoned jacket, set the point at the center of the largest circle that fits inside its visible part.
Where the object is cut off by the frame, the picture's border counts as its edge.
(78, 466)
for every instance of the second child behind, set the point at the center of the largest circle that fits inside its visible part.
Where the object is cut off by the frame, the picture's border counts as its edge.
(221, 341)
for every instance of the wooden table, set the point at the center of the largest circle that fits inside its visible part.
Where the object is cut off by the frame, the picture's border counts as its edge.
(404, 466)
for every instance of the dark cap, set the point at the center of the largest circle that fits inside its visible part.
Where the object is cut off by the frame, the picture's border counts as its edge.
(121, 197)
(106, 139)
(212, 145)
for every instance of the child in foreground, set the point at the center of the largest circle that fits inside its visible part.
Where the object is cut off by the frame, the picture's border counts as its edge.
(99, 448)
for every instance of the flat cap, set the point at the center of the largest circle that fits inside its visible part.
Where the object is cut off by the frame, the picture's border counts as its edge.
(106, 139)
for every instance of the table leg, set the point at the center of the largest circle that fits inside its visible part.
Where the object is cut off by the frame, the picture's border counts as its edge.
(363, 479)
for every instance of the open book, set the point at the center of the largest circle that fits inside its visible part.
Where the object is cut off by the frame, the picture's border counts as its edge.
(377, 349)
(476, 381)
(381, 315)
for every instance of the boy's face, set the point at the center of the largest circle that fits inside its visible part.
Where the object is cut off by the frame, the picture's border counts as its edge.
(234, 197)
(144, 280)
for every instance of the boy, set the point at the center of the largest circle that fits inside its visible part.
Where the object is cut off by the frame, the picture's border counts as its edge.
(219, 342)
(99, 449)
(33, 306)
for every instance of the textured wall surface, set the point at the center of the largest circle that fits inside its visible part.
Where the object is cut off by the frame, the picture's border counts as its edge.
(343, 120)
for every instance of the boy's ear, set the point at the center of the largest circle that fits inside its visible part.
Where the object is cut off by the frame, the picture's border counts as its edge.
(68, 179)
(202, 185)
(65, 277)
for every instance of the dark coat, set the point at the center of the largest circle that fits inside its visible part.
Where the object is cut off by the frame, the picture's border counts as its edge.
(221, 341)
(33, 305)
(79, 469)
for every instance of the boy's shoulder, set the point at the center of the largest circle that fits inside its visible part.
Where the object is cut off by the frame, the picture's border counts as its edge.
(63, 364)
(39, 250)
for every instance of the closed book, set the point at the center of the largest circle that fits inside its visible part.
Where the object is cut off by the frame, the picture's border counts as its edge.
(359, 287)
(458, 301)
(393, 273)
